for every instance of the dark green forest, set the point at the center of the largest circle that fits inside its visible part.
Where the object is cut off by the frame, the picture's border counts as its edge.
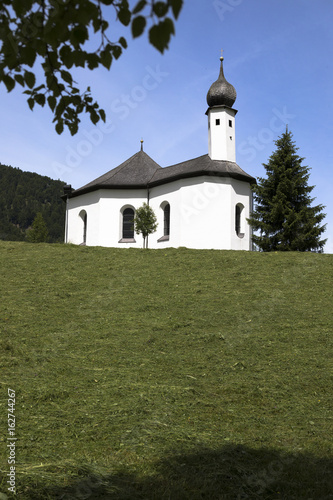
(22, 196)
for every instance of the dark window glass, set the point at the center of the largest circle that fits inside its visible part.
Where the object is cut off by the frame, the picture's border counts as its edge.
(167, 220)
(238, 219)
(85, 228)
(128, 223)
(217, 121)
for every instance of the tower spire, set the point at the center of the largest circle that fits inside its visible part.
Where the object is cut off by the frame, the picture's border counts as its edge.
(221, 118)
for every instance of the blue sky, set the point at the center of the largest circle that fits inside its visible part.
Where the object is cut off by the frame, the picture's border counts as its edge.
(278, 56)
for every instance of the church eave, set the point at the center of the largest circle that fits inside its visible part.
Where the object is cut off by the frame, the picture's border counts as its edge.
(221, 106)
(200, 173)
(98, 187)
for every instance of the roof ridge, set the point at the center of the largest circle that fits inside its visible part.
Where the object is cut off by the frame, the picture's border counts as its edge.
(185, 161)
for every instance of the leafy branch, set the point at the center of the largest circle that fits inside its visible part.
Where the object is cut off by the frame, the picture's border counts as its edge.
(59, 34)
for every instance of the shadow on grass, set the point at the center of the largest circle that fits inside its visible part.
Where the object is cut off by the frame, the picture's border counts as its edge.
(233, 472)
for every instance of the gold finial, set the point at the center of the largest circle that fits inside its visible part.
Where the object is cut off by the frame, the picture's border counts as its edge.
(141, 144)
(221, 58)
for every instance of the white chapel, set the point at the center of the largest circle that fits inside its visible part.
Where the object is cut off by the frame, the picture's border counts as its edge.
(202, 203)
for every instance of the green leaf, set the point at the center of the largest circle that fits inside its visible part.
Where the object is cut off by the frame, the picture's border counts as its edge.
(59, 127)
(116, 51)
(160, 9)
(30, 79)
(139, 6)
(18, 7)
(66, 76)
(124, 16)
(19, 79)
(39, 87)
(138, 26)
(92, 60)
(28, 55)
(106, 58)
(159, 34)
(79, 58)
(176, 6)
(31, 103)
(67, 56)
(40, 99)
(123, 42)
(9, 82)
(52, 101)
(79, 34)
(73, 127)
(102, 114)
(94, 117)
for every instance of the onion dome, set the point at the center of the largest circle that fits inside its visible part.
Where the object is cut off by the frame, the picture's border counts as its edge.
(221, 92)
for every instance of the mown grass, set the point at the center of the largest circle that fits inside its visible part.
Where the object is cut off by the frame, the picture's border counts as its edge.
(167, 374)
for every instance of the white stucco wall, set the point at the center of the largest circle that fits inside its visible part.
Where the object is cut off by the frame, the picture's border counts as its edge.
(104, 217)
(75, 206)
(222, 137)
(202, 214)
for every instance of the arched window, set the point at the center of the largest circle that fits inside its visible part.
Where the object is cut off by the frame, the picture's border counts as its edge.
(128, 223)
(167, 220)
(239, 223)
(83, 215)
(165, 206)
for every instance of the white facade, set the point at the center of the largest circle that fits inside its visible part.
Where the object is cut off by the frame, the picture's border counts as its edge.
(202, 203)
(202, 215)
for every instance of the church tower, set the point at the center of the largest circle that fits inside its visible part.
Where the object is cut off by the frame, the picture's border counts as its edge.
(221, 119)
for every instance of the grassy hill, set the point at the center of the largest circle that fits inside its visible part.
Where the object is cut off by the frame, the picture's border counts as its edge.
(22, 196)
(166, 374)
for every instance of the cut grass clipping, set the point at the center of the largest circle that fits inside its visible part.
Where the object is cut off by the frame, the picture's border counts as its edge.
(166, 374)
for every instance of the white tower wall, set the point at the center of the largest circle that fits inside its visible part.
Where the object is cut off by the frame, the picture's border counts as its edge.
(221, 133)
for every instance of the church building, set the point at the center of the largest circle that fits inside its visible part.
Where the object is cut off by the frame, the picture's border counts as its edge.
(200, 203)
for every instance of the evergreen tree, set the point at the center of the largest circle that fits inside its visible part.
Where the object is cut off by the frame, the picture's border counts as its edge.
(145, 222)
(283, 214)
(38, 232)
(22, 196)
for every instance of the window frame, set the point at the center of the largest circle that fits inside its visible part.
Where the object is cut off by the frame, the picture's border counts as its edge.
(239, 222)
(166, 221)
(126, 236)
(84, 217)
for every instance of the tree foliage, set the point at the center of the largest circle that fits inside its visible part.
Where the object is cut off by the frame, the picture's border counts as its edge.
(145, 222)
(283, 215)
(22, 196)
(38, 232)
(63, 34)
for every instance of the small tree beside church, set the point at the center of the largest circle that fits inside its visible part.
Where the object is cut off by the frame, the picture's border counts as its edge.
(38, 232)
(283, 214)
(145, 222)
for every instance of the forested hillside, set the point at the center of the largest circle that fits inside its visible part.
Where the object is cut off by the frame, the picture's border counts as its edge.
(22, 196)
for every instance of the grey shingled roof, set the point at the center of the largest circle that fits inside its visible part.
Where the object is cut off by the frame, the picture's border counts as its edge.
(203, 165)
(135, 172)
(141, 171)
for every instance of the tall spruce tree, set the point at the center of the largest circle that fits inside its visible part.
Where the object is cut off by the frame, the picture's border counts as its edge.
(38, 232)
(283, 214)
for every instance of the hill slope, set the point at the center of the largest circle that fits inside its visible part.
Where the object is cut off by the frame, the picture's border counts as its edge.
(22, 196)
(157, 374)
